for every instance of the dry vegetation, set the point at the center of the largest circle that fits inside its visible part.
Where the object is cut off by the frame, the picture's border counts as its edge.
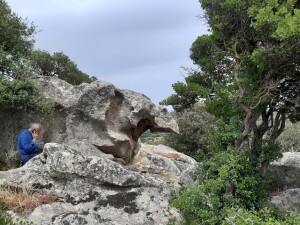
(24, 201)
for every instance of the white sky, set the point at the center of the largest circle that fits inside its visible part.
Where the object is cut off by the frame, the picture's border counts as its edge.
(134, 44)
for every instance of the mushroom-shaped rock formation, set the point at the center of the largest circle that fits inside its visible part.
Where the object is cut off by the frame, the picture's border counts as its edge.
(99, 116)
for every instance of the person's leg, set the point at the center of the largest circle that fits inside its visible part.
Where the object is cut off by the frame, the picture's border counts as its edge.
(26, 158)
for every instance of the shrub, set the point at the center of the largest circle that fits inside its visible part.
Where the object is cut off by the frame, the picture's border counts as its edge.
(194, 125)
(227, 179)
(200, 207)
(59, 65)
(23, 95)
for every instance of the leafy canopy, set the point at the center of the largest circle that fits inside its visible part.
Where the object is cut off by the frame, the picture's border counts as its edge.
(250, 62)
(250, 71)
(16, 39)
(58, 65)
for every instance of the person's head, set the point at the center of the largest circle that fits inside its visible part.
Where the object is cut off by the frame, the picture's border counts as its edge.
(35, 128)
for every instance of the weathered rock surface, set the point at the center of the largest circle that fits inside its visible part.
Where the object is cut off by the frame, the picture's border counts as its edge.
(288, 200)
(98, 190)
(286, 171)
(93, 118)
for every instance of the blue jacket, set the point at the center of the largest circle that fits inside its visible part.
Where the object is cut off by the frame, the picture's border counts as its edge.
(26, 144)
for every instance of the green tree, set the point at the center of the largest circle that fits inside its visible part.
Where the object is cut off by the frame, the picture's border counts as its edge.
(248, 61)
(68, 71)
(16, 42)
(43, 63)
(23, 96)
(58, 65)
(16, 39)
(249, 68)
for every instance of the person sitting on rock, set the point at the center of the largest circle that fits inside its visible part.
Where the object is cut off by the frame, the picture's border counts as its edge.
(27, 142)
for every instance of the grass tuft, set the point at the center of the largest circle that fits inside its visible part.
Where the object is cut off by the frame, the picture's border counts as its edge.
(23, 201)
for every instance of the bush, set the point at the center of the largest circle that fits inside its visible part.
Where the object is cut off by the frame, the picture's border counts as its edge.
(199, 207)
(23, 95)
(226, 180)
(59, 65)
(194, 125)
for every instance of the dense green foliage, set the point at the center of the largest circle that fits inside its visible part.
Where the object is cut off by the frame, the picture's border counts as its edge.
(58, 65)
(249, 76)
(227, 180)
(16, 40)
(23, 95)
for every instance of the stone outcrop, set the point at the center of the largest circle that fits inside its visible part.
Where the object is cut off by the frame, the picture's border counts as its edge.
(93, 118)
(286, 174)
(288, 200)
(286, 171)
(99, 190)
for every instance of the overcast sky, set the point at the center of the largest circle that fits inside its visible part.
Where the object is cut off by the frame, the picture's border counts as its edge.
(134, 44)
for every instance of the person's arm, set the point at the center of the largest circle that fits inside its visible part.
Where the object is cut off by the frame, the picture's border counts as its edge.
(28, 145)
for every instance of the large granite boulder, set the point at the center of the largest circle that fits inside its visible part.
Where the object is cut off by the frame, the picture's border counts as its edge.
(286, 174)
(92, 118)
(286, 171)
(99, 189)
(288, 200)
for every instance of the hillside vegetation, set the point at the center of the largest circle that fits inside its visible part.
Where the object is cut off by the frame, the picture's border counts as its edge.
(248, 74)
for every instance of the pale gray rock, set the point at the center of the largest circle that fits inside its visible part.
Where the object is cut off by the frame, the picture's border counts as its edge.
(110, 119)
(186, 176)
(93, 118)
(99, 190)
(67, 164)
(166, 161)
(288, 200)
(286, 171)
